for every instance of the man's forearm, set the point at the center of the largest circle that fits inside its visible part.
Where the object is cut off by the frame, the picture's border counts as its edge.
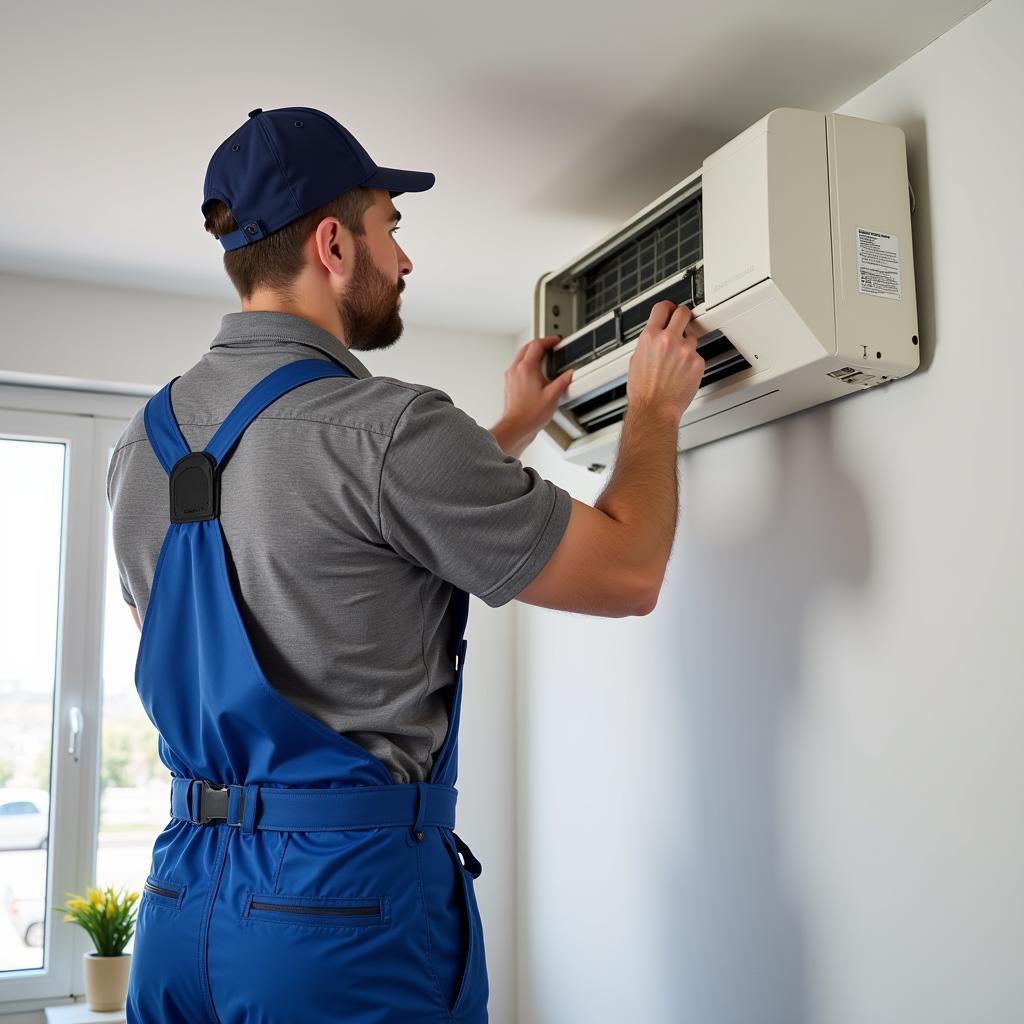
(511, 438)
(643, 492)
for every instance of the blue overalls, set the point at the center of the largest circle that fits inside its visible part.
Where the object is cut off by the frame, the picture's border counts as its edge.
(296, 881)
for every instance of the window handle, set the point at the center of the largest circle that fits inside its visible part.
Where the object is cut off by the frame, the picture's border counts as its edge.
(75, 725)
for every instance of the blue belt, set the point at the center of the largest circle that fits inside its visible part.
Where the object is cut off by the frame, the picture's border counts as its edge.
(281, 809)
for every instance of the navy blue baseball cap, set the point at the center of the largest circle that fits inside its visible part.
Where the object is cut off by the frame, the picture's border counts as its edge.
(283, 163)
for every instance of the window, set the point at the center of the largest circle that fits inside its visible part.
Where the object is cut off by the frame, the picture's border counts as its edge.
(82, 791)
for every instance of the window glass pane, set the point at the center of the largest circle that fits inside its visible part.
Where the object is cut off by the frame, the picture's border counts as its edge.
(135, 785)
(30, 551)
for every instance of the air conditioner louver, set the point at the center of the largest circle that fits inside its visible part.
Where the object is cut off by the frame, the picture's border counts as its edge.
(607, 404)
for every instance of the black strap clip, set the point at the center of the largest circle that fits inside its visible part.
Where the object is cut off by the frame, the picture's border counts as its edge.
(208, 804)
(195, 488)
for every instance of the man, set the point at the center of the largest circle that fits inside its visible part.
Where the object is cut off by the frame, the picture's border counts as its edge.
(304, 592)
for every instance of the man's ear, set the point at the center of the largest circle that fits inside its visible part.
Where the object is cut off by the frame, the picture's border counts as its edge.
(332, 242)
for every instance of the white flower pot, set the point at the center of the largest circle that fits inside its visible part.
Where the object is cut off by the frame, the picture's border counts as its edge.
(106, 980)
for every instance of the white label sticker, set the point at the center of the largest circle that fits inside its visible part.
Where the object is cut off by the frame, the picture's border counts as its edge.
(878, 264)
(851, 375)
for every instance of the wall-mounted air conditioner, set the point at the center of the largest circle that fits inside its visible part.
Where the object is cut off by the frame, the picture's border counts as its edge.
(792, 246)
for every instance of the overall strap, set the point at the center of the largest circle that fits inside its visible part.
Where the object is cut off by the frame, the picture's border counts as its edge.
(170, 445)
(163, 430)
(259, 396)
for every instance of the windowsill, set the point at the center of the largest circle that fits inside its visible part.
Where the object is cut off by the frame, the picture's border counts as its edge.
(79, 1013)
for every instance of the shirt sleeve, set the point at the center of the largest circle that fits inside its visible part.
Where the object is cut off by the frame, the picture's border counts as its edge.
(454, 503)
(125, 592)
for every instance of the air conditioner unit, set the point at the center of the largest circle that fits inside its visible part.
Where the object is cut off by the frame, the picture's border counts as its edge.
(792, 246)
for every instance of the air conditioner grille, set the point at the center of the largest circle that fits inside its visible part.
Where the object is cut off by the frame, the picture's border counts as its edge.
(663, 249)
(610, 334)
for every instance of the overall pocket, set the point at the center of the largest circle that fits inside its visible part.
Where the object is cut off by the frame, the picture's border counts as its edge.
(474, 935)
(317, 911)
(162, 892)
(449, 910)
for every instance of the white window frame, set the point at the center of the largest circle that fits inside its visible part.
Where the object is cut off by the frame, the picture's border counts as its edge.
(89, 423)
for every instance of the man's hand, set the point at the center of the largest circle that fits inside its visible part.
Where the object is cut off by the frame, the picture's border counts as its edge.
(530, 398)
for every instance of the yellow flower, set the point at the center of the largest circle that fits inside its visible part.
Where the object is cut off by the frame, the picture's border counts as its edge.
(69, 917)
(132, 897)
(110, 910)
(94, 896)
(78, 903)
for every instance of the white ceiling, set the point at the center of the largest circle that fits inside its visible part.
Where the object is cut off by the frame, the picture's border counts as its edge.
(546, 124)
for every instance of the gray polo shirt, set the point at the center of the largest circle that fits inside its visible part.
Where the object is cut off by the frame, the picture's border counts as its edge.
(350, 508)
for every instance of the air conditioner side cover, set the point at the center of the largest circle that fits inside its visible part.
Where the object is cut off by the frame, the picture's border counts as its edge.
(868, 171)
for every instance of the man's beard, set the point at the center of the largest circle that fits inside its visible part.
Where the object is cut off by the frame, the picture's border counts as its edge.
(369, 309)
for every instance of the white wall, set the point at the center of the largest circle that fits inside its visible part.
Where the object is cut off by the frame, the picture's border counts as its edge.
(792, 793)
(63, 333)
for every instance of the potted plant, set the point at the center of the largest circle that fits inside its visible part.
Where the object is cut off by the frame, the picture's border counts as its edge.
(109, 919)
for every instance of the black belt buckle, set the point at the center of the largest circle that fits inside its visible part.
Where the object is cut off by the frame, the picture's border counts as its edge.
(212, 804)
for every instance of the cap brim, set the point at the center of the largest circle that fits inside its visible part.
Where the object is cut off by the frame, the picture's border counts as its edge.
(397, 181)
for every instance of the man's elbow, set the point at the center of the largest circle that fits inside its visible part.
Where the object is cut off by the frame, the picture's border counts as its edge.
(647, 600)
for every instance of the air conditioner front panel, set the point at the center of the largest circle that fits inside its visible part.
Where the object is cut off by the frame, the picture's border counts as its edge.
(735, 187)
(766, 214)
(799, 228)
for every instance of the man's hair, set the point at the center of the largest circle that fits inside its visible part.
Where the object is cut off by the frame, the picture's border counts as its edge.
(276, 260)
